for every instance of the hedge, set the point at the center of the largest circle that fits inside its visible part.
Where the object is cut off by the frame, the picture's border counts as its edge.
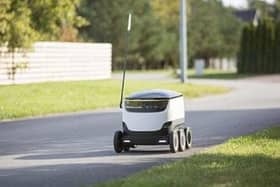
(260, 48)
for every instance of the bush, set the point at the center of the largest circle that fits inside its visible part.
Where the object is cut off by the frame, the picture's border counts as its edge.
(260, 48)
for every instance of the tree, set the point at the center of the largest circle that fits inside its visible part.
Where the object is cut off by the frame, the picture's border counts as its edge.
(230, 32)
(20, 35)
(168, 12)
(56, 20)
(277, 10)
(277, 47)
(259, 52)
(244, 51)
(213, 30)
(270, 46)
(149, 40)
(259, 47)
(203, 31)
(266, 9)
(5, 16)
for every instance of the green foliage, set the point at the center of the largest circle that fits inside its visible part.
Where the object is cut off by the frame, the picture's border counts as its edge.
(269, 46)
(21, 34)
(277, 4)
(24, 21)
(56, 20)
(277, 47)
(204, 39)
(243, 54)
(4, 20)
(16, 33)
(259, 47)
(149, 40)
(259, 50)
(251, 50)
(213, 30)
(267, 10)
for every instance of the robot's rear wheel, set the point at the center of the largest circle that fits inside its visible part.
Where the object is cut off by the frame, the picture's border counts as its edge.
(188, 138)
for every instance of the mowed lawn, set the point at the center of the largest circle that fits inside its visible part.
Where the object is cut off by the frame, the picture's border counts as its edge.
(246, 161)
(218, 74)
(56, 97)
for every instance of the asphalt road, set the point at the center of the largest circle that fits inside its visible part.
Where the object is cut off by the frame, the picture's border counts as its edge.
(76, 149)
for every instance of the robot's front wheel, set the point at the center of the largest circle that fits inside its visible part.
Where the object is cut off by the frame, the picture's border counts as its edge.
(118, 145)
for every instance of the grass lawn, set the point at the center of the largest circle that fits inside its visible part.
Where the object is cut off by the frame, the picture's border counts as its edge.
(252, 160)
(46, 98)
(208, 74)
(218, 74)
(148, 71)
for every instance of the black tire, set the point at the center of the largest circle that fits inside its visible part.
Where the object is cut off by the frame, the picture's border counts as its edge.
(182, 140)
(174, 141)
(188, 138)
(118, 146)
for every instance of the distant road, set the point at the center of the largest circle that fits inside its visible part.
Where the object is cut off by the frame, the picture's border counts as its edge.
(76, 149)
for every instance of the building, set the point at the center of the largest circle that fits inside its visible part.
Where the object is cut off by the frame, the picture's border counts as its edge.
(248, 16)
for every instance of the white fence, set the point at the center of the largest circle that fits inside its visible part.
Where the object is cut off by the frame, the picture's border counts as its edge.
(57, 61)
(224, 64)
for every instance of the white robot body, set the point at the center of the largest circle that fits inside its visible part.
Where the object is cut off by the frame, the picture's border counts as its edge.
(150, 110)
(153, 117)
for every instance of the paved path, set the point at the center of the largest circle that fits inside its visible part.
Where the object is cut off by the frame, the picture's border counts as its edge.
(76, 149)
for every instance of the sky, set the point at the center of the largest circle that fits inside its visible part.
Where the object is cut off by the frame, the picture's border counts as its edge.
(239, 3)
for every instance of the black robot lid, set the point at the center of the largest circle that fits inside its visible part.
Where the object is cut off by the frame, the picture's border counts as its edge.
(154, 94)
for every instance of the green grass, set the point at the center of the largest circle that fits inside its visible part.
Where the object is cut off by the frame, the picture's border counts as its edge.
(47, 98)
(218, 74)
(148, 71)
(208, 74)
(252, 160)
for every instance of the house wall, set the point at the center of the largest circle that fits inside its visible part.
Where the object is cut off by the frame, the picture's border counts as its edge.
(57, 61)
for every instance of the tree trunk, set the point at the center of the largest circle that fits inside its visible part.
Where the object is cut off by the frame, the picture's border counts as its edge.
(13, 65)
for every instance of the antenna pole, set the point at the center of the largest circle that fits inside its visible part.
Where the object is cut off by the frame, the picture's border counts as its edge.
(126, 57)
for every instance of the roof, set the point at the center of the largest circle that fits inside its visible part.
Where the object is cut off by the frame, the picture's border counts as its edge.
(246, 15)
(154, 94)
